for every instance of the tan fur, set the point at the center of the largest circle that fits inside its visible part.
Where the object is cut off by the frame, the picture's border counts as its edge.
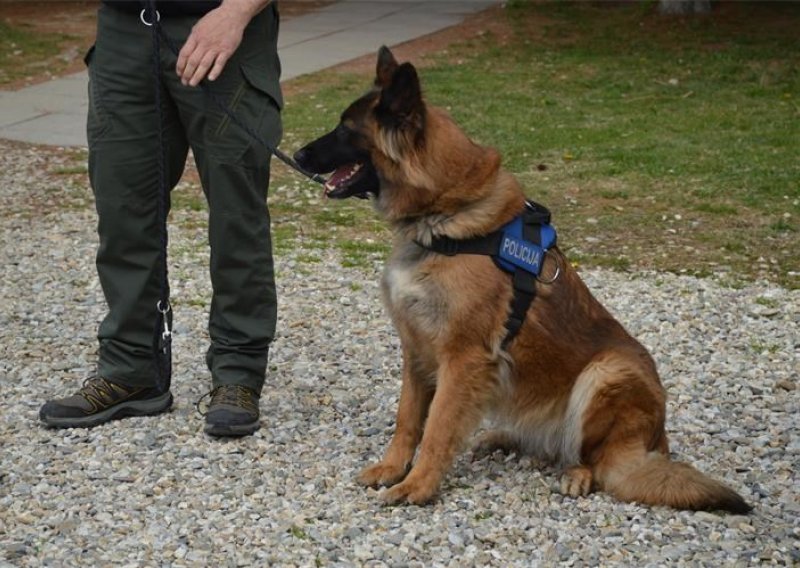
(574, 386)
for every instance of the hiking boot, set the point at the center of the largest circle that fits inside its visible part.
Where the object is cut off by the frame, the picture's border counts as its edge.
(100, 400)
(233, 411)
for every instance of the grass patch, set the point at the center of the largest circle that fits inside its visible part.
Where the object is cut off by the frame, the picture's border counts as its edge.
(361, 253)
(308, 259)
(189, 197)
(24, 53)
(70, 170)
(659, 143)
(768, 302)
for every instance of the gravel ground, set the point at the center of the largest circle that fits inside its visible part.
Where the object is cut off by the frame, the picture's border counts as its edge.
(157, 491)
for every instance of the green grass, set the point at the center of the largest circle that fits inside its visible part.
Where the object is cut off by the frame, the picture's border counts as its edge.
(678, 139)
(24, 53)
(658, 143)
(768, 302)
(71, 170)
(361, 252)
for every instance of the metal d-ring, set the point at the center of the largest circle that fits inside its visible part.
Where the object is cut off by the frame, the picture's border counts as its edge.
(558, 270)
(145, 22)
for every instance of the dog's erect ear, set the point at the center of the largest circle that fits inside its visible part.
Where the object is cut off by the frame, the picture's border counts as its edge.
(387, 65)
(401, 100)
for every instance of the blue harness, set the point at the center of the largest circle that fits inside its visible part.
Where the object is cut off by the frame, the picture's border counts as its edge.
(517, 252)
(518, 247)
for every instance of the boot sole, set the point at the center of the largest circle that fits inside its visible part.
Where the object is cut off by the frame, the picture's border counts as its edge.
(147, 407)
(231, 430)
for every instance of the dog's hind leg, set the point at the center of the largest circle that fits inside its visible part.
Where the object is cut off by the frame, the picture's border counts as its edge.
(465, 386)
(415, 399)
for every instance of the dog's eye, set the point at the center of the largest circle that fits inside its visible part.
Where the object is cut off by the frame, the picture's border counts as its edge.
(343, 133)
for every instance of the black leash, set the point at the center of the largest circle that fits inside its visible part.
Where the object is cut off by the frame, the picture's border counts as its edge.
(238, 121)
(162, 336)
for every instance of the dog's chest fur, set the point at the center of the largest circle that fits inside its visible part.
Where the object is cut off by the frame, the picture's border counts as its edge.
(412, 292)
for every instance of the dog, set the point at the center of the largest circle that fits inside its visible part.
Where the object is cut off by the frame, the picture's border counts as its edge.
(571, 386)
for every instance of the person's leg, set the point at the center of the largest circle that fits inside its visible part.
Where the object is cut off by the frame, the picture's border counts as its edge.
(234, 170)
(123, 152)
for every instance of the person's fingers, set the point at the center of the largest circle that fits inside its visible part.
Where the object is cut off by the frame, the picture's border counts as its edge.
(219, 65)
(201, 69)
(183, 57)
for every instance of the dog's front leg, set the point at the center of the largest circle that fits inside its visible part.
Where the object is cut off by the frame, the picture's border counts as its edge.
(415, 399)
(463, 390)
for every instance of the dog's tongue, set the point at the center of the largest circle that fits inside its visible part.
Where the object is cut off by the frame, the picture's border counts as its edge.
(341, 175)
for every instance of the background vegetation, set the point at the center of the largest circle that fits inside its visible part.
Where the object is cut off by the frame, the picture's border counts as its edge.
(658, 143)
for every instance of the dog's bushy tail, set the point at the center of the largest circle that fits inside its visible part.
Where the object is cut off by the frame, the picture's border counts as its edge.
(656, 480)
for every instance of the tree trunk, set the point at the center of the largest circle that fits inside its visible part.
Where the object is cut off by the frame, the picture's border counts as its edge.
(684, 7)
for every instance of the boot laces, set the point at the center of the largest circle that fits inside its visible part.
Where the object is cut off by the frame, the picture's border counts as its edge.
(233, 395)
(102, 392)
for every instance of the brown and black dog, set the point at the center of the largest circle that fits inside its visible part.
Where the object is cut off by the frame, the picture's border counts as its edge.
(572, 386)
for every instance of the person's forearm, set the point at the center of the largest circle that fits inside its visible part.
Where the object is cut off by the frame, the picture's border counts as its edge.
(246, 9)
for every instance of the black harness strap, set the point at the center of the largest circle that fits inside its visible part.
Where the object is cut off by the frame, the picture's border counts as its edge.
(524, 282)
(524, 290)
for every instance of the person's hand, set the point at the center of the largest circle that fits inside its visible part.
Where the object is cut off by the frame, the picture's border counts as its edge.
(214, 38)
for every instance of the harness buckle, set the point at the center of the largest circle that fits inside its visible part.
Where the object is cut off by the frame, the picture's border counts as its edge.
(144, 20)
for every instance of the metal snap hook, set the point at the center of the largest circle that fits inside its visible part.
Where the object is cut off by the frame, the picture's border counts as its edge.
(145, 22)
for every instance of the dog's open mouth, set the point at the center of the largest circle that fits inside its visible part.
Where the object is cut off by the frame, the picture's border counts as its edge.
(356, 179)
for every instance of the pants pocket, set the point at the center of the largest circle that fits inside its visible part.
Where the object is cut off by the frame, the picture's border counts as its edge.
(97, 122)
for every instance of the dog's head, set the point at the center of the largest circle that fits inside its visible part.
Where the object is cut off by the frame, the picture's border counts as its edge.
(383, 125)
(427, 175)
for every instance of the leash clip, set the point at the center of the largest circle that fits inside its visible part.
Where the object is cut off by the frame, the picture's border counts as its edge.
(144, 20)
(164, 309)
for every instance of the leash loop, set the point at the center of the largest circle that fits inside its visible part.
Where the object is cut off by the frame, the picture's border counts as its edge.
(144, 20)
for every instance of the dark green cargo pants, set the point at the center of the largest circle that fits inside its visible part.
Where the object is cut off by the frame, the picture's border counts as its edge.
(234, 170)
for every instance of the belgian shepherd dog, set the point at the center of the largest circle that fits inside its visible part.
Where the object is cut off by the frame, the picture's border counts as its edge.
(572, 386)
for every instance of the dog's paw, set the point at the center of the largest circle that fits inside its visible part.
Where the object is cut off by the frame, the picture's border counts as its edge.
(576, 481)
(382, 475)
(411, 492)
(493, 441)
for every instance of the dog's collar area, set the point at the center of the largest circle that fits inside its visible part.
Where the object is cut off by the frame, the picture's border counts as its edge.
(520, 248)
(521, 243)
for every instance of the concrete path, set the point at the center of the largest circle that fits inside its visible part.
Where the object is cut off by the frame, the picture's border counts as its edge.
(55, 112)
